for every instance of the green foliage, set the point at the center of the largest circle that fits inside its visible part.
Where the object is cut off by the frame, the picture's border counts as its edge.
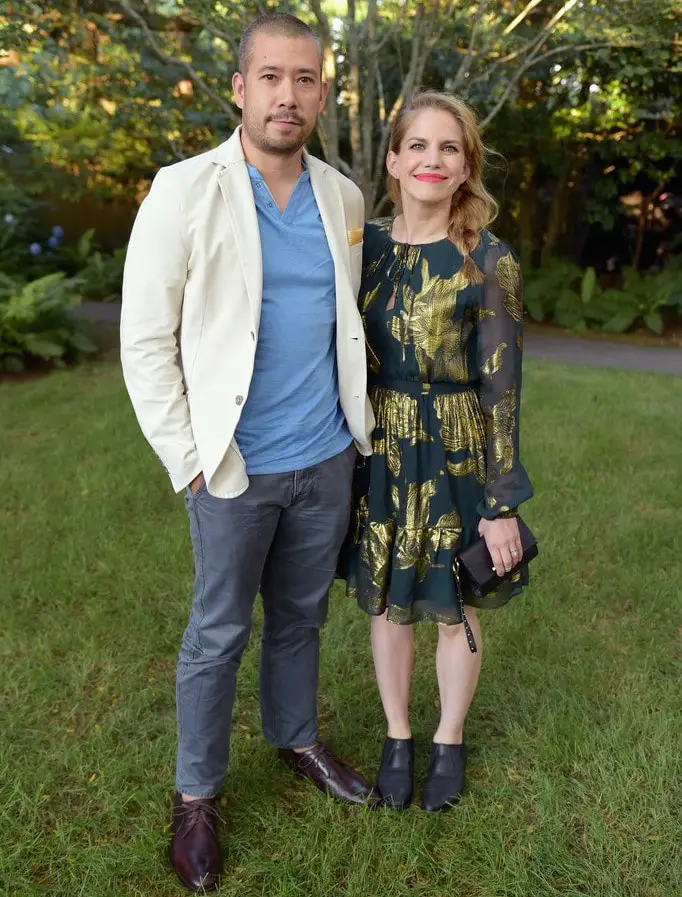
(101, 278)
(37, 321)
(550, 288)
(573, 298)
(18, 226)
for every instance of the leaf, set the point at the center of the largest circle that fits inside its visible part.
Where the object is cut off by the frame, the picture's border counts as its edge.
(84, 245)
(621, 321)
(654, 321)
(82, 343)
(534, 307)
(43, 348)
(588, 285)
(13, 364)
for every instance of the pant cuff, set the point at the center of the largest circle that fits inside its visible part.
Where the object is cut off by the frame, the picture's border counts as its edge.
(196, 791)
(289, 744)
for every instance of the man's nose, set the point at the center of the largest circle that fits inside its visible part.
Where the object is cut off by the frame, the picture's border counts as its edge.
(286, 94)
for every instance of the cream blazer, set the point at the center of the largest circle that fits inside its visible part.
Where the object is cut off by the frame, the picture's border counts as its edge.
(192, 291)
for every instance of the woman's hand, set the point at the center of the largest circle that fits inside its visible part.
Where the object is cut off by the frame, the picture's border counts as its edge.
(503, 542)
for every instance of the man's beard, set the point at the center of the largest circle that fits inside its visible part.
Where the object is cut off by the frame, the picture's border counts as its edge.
(258, 136)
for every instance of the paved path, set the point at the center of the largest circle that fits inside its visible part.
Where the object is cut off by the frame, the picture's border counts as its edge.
(601, 353)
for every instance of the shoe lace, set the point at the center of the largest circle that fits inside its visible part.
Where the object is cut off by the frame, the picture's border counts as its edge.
(320, 755)
(195, 811)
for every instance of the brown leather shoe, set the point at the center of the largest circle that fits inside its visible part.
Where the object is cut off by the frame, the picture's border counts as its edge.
(330, 775)
(195, 849)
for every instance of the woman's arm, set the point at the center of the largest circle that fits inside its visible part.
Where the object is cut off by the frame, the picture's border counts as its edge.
(499, 353)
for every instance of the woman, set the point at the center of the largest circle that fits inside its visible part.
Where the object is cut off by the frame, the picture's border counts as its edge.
(442, 307)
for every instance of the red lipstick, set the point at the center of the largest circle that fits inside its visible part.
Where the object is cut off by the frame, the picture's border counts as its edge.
(431, 178)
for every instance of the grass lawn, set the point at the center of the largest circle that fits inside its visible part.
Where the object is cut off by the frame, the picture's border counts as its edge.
(575, 734)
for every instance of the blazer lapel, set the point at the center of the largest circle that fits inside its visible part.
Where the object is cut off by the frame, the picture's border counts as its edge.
(235, 186)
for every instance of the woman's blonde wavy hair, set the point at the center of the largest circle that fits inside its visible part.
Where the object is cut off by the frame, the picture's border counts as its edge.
(473, 208)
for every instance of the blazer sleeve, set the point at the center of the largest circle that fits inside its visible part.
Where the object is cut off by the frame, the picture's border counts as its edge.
(153, 287)
(354, 211)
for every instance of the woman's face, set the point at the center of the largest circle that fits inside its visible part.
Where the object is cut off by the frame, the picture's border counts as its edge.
(430, 165)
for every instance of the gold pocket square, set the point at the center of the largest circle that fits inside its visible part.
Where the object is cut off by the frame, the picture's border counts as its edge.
(355, 236)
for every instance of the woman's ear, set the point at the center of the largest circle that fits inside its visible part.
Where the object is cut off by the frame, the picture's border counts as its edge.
(392, 164)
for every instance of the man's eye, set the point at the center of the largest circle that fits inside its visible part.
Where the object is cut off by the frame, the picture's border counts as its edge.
(306, 80)
(269, 77)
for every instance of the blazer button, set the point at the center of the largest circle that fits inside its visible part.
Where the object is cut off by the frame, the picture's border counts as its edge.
(239, 400)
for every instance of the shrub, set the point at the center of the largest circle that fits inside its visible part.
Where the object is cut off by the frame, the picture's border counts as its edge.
(573, 298)
(38, 321)
(102, 277)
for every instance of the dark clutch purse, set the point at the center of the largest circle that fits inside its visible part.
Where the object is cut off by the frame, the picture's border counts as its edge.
(474, 573)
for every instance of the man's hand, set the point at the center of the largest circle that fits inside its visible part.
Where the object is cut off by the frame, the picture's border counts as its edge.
(503, 541)
(196, 483)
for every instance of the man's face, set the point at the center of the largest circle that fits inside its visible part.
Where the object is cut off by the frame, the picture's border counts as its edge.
(281, 93)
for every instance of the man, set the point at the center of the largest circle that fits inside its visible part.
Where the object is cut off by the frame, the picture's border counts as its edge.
(243, 353)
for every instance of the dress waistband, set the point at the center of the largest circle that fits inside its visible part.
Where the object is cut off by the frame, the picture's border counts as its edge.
(418, 388)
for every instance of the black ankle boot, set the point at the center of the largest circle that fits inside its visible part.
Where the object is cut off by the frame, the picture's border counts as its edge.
(445, 780)
(396, 773)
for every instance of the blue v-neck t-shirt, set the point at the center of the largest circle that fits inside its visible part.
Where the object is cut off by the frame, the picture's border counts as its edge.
(292, 418)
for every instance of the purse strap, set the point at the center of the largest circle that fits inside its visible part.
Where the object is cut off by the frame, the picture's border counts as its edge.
(460, 600)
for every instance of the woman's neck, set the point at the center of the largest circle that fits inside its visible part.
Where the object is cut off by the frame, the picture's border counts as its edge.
(420, 223)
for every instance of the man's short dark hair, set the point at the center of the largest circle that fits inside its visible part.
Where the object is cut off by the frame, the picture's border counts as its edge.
(274, 23)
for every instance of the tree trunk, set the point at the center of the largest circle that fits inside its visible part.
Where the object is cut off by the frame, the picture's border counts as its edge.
(558, 216)
(357, 157)
(527, 212)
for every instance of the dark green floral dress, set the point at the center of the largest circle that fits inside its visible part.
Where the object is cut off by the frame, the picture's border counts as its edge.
(444, 361)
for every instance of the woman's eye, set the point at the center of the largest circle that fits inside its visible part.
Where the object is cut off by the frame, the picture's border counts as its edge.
(451, 149)
(417, 146)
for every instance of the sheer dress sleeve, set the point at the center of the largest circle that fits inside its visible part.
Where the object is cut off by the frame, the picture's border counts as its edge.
(499, 351)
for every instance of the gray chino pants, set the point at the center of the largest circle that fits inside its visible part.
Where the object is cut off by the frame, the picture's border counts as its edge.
(283, 535)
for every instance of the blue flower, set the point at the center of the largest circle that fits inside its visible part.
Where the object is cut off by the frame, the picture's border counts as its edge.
(53, 242)
(6, 149)
(10, 218)
(57, 232)
(35, 248)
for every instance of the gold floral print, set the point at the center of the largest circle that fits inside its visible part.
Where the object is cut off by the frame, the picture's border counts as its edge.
(428, 322)
(368, 298)
(494, 363)
(397, 416)
(410, 548)
(501, 425)
(376, 550)
(508, 275)
(462, 430)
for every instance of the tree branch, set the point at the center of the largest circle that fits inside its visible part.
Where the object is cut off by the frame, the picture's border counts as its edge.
(533, 59)
(367, 110)
(521, 16)
(417, 61)
(223, 36)
(329, 120)
(464, 65)
(181, 63)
